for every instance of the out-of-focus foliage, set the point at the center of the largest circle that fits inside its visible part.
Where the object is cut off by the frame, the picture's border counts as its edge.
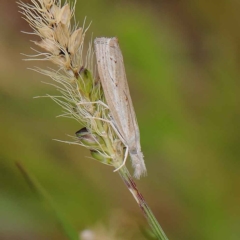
(182, 62)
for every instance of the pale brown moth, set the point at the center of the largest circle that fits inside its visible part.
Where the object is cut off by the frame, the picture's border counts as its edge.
(113, 78)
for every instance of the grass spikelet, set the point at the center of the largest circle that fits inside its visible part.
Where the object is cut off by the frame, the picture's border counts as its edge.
(80, 93)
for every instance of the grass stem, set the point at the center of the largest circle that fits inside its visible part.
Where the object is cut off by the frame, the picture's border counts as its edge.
(132, 187)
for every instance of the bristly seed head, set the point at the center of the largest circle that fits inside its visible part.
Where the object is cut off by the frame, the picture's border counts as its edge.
(81, 95)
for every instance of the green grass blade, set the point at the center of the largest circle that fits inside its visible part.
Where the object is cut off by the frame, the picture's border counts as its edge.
(70, 232)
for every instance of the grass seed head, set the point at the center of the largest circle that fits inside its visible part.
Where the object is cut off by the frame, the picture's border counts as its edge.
(80, 93)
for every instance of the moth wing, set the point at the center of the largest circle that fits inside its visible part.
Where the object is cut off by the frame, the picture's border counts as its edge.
(113, 78)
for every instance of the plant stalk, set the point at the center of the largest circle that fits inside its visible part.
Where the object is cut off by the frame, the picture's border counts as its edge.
(132, 187)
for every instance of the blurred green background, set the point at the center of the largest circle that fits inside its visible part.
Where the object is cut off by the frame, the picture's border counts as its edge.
(182, 61)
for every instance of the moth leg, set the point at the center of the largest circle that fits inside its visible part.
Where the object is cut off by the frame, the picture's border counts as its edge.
(121, 138)
(115, 130)
(96, 102)
(112, 125)
(124, 161)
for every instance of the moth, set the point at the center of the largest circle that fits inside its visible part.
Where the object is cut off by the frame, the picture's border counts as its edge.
(113, 78)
